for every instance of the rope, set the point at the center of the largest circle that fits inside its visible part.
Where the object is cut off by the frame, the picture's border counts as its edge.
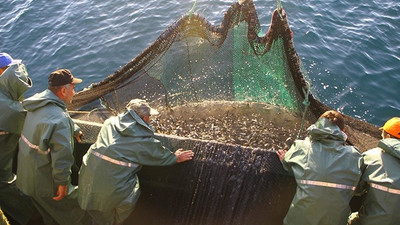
(191, 11)
(306, 103)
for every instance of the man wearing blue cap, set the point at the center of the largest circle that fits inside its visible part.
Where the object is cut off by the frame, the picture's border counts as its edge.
(14, 82)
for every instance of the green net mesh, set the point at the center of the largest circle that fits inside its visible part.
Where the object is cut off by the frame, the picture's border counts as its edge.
(262, 78)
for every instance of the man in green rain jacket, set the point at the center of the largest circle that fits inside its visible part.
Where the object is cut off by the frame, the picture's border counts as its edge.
(14, 82)
(381, 179)
(108, 184)
(326, 171)
(45, 153)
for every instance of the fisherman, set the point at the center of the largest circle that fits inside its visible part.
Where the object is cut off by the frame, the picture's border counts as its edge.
(108, 182)
(14, 82)
(326, 171)
(381, 179)
(45, 153)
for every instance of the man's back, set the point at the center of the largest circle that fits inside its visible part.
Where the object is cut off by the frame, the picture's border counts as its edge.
(382, 174)
(327, 173)
(124, 144)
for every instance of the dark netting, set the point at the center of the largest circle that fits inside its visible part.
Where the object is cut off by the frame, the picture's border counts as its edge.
(223, 185)
(234, 98)
(194, 61)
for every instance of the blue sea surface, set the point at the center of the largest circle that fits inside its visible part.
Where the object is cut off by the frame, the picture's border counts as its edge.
(349, 49)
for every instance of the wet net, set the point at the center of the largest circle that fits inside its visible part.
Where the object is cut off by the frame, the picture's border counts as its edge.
(231, 95)
(194, 61)
(195, 67)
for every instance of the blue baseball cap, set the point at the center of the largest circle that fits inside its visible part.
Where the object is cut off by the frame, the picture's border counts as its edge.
(6, 60)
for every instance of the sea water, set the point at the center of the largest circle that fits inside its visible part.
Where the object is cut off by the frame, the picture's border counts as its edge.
(349, 49)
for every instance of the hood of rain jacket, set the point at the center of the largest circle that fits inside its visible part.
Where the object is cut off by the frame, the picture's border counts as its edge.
(108, 174)
(390, 146)
(14, 82)
(326, 171)
(382, 178)
(43, 99)
(325, 132)
(130, 124)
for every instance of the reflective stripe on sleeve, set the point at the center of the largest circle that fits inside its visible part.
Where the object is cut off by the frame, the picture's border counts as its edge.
(3, 132)
(326, 184)
(34, 146)
(114, 161)
(385, 189)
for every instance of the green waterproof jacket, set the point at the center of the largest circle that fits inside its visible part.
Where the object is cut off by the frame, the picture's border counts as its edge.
(14, 82)
(382, 180)
(327, 173)
(107, 178)
(46, 146)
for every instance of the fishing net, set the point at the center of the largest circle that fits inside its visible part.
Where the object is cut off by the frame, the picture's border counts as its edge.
(199, 66)
(194, 61)
(232, 96)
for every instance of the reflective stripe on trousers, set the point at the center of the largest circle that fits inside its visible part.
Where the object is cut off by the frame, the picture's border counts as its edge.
(114, 161)
(385, 189)
(3, 132)
(326, 184)
(34, 146)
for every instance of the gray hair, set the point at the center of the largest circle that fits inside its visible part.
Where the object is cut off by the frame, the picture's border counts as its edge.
(141, 107)
(55, 89)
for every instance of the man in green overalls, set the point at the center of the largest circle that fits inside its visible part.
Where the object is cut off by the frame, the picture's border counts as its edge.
(381, 180)
(108, 184)
(45, 154)
(327, 173)
(14, 82)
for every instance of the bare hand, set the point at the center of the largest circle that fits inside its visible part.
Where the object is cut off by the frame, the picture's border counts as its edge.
(78, 136)
(184, 155)
(281, 154)
(61, 192)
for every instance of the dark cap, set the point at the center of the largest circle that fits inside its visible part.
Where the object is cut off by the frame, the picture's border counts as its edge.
(62, 77)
